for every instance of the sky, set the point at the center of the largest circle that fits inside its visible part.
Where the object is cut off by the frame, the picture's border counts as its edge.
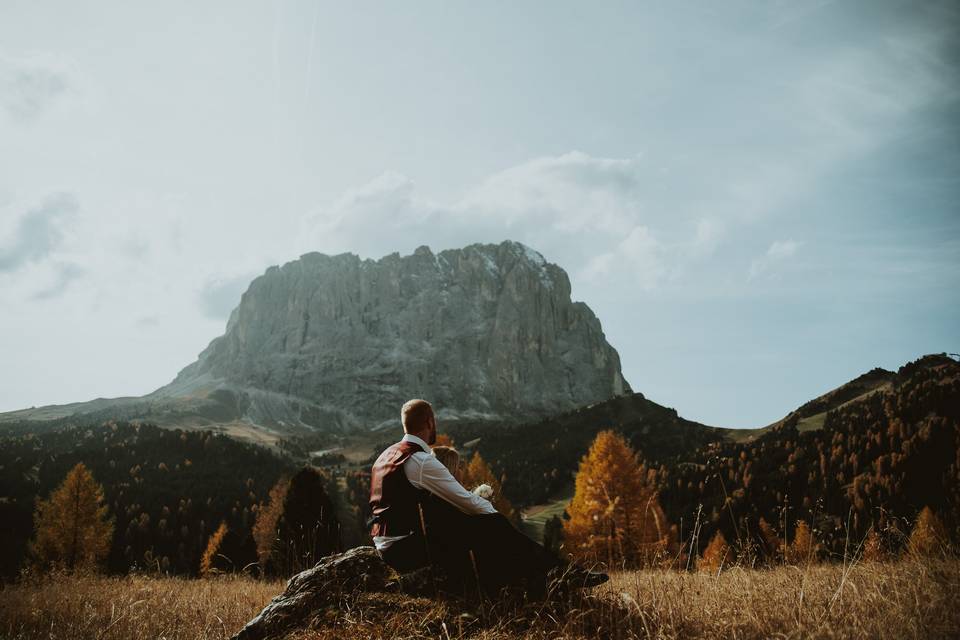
(759, 200)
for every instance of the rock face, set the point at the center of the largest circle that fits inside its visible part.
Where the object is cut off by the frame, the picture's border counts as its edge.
(334, 577)
(483, 332)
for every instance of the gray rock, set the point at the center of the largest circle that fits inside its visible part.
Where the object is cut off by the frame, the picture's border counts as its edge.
(335, 343)
(333, 578)
(486, 332)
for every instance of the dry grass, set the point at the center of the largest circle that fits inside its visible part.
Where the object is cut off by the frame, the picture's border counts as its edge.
(903, 599)
(80, 607)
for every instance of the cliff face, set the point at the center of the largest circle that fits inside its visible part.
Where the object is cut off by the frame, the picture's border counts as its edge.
(483, 332)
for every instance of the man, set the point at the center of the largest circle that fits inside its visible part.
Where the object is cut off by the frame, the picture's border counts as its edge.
(421, 515)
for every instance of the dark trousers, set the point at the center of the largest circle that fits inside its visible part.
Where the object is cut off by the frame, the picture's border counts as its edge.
(482, 553)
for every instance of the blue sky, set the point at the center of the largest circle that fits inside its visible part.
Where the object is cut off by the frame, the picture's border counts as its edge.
(758, 199)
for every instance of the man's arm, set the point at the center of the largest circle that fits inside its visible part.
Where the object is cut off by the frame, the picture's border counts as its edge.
(430, 474)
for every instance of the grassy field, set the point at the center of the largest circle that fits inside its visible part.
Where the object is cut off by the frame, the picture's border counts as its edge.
(904, 599)
(535, 518)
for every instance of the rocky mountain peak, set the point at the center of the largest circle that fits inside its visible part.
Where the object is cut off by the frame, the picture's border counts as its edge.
(484, 332)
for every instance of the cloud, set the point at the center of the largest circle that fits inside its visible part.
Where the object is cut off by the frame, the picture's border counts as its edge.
(591, 214)
(31, 86)
(219, 296)
(572, 192)
(777, 252)
(66, 274)
(639, 253)
(38, 232)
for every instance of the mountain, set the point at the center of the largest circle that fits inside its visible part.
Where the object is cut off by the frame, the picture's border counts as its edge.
(166, 489)
(539, 458)
(870, 453)
(334, 343)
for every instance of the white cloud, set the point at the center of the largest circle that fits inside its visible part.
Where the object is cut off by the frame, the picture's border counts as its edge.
(639, 253)
(38, 233)
(32, 85)
(777, 252)
(589, 214)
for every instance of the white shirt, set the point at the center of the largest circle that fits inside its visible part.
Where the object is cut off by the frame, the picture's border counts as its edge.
(424, 471)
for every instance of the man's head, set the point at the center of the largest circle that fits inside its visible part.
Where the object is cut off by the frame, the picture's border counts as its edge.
(418, 420)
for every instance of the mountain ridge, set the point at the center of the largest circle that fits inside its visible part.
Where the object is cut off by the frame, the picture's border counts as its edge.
(335, 343)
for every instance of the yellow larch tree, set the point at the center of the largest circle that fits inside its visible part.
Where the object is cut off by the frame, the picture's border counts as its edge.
(265, 525)
(615, 518)
(208, 562)
(72, 527)
(929, 536)
(804, 547)
(873, 548)
(478, 472)
(716, 556)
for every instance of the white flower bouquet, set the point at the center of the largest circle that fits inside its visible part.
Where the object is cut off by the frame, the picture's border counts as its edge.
(484, 491)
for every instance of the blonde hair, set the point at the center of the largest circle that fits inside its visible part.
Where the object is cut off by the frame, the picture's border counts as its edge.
(415, 414)
(448, 457)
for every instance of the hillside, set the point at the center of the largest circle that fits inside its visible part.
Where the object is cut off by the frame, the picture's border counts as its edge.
(538, 459)
(874, 450)
(887, 445)
(168, 489)
(336, 344)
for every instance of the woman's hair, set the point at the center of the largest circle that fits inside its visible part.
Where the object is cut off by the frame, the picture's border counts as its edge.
(448, 457)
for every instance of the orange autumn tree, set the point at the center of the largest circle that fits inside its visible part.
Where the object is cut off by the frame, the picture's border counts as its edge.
(265, 526)
(478, 472)
(929, 536)
(208, 562)
(73, 529)
(615, 518)
(716, 556)
(804, 548)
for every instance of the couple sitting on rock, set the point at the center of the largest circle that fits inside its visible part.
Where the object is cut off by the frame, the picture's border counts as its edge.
(423, 517)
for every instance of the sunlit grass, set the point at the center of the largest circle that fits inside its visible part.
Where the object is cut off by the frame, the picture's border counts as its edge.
(903, 599)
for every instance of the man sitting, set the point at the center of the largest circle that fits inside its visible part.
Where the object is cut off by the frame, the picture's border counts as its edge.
(421, 515)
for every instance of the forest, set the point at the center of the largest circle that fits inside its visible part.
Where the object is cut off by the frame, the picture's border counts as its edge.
(188, 502)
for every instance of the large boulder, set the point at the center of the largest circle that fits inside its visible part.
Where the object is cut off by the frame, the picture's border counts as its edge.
(332, 579)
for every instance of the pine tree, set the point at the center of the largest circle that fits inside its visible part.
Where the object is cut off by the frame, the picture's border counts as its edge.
(929, 535)
(478, 472)
(209, 565)
(72, 526)
(553, 534)
(716, 556)
(307, 529)
(615, 517)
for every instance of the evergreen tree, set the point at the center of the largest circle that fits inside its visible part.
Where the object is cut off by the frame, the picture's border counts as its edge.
(553, 534)
(307, 529)
(72, 526)
(615, 517)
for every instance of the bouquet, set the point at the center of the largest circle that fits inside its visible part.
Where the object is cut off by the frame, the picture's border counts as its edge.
(484, 491)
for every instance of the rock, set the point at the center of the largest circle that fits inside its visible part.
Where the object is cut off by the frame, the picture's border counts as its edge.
(333, 578)
(486, 332)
